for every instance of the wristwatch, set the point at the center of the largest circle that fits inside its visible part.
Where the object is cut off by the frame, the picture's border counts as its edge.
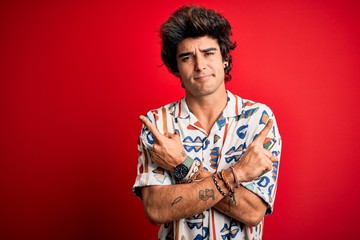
(183, 169)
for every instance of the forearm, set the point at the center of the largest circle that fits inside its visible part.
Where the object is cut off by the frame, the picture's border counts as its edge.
(250, 209)
(164, 204)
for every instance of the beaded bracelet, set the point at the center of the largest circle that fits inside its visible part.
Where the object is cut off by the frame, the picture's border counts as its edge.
(217, 186)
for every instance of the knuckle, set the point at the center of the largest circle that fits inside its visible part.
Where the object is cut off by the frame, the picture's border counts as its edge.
(154, 149)
(256, 149)
(264, 163)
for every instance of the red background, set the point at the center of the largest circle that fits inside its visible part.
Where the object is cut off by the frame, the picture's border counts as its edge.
(75, 76)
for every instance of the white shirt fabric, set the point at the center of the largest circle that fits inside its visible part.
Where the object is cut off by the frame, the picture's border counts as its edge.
(234, 130)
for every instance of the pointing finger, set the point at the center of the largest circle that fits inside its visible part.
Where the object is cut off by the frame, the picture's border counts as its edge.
(262, 135)
(157, 135)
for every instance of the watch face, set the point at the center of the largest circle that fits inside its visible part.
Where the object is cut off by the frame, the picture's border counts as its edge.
(181, 171)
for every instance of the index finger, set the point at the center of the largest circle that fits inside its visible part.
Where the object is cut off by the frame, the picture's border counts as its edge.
(152, 128)
(262, 135)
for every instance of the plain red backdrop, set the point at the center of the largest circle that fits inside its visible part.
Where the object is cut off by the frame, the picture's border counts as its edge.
(75, 76)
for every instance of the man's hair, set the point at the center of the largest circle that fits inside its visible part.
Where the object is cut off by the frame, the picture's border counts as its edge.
(195, 21)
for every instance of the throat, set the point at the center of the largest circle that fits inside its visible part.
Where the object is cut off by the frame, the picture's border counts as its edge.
(207, 110)
(208, 117)
(207, 124)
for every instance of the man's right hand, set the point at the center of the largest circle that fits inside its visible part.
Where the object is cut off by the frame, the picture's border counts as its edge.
(256, 160)
(168, 151)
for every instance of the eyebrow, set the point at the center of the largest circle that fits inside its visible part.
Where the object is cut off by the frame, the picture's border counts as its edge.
(201, 50)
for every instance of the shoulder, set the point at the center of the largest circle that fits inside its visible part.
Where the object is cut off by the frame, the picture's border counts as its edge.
(249, 107)
(255, 114)
(163, 117)
(249, 104)
(154, 114)
(258, 114)
(242, 108)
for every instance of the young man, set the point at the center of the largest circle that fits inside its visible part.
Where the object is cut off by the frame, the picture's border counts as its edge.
(208, 164)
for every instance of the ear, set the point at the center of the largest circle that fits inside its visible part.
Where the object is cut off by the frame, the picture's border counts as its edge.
(226, 64)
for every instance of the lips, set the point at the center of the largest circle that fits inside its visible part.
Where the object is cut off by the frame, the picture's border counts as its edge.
(202, 77)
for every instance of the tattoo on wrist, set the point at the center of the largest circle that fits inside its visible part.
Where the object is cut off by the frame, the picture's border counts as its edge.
(183, 153)
(206, 194)
(176, 200)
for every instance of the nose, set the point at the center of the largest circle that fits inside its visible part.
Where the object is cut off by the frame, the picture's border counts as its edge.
(200, 63)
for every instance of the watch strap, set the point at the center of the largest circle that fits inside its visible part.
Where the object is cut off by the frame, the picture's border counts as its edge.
(188, 162)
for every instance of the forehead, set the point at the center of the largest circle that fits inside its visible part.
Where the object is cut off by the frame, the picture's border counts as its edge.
(190, 44)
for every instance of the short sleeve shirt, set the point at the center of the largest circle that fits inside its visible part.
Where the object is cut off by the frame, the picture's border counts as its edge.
(236, 127)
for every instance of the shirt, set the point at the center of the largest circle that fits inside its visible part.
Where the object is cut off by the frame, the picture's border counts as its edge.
(236, 127)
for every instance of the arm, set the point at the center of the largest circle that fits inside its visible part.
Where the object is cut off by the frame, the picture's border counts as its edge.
(172, 202)
(250, 209)
(166, 153)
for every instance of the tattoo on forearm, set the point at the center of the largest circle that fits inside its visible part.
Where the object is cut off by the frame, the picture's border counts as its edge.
(183, 153)
(206, 194)
(176, 200)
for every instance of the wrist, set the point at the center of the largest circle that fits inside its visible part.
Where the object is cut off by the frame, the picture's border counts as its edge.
(219, 184)
(235, 176)
(182, 170)
(194, 169)
(194, 173)
(227, 178)
(179, 161)
(239, 174)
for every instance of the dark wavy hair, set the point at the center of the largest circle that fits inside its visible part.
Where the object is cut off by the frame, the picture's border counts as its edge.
(195, 21)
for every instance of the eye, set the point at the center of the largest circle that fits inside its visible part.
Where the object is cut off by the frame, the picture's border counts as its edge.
(187, 58)
(209, 53)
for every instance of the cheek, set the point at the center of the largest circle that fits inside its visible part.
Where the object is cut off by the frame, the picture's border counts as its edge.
(217, 63)
(219, 67)
(185, 71)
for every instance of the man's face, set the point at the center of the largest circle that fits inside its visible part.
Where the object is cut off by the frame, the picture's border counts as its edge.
(200, 64)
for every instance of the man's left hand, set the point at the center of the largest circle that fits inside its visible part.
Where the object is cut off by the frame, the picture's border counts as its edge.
(168, 151)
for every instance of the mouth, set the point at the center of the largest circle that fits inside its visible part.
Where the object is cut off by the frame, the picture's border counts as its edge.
(202, 77)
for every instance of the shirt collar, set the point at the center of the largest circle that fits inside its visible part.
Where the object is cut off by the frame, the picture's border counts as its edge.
(233, 107)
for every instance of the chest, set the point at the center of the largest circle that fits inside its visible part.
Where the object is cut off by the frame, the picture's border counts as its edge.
(222, 147)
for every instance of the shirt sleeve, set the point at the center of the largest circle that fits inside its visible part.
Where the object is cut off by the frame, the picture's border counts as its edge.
(148, 172)
(265, 185)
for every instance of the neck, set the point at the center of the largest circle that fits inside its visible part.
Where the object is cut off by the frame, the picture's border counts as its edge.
(207, 108)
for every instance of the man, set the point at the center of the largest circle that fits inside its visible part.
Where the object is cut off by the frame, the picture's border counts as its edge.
(208, 164)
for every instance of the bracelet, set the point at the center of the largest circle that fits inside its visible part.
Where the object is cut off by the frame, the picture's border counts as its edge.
(236, 179)
(231, 190)
(226, 181)
(196, 172)
(217, 186)
(195, 168)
